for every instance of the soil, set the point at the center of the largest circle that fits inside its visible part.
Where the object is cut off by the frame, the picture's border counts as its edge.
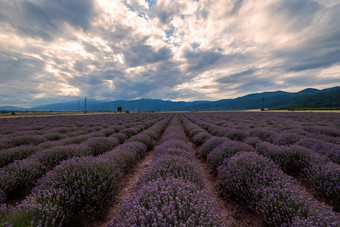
(233, 213)
(110, 211)
(310, 192)
(128, 184)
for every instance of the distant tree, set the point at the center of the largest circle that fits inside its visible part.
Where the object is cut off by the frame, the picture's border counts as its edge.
(127, 111)
(119, 109)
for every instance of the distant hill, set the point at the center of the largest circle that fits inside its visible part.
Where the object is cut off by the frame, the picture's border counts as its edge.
(307, 98)
(11, 108)
(326, 98)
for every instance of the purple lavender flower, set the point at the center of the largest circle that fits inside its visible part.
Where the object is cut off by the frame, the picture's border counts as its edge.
(225, 151)
(211, 144)
(169, 203)
(8, 156)
(259, 182)
(100, 145)
(2, 196)
(168, 166)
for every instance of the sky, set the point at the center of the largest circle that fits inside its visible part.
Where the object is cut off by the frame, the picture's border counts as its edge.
(62, 50)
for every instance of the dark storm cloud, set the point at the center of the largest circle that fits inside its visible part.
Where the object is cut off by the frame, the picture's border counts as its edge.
(150, 84)
(295, 14)
(141, 54)
(235, 77)
(18, 67)
(46, 18)
(199, 61)
(321, 49)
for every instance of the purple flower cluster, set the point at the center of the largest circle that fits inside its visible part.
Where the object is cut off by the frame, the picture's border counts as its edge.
(2, 196)
(126, 155)
(258, 182)
(252, 141)
(296, 160)
(100, 145)
(325, 179)
(292, 159)
(76, 186)
(20, 140)
(120, 136)
(330, 150)
(169, 202)
(145, 139)
(170, 166)
(261, 184)
(225, 151)
(200, 138)
(20, 175)
(8, 156)
(170, 191)
(236, 134)
(287, 138)
(51, 157)
(211, 144)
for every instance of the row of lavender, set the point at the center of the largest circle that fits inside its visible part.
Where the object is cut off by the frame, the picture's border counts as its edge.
(170, 191)
(310, 165)
(319, 132)
(259, 182)
(81, 185)
(20, 176)
(21, 138)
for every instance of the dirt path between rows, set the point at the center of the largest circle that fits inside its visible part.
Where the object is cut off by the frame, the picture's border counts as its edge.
(110, 211)
(128, 184)
(233, 213)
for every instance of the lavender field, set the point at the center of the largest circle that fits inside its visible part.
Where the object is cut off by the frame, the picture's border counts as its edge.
(171, 169)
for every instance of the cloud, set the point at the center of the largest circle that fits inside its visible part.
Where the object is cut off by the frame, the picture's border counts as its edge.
(60, 50)
(232, 78)
(140, 54)
(46, 18)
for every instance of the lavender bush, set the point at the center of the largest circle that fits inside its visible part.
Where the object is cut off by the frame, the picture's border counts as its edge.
(53, 136)
(169, 203)
(78, 185)
(17, 153)
(173, 151)
(172, 167)
(211, 144)
(225, 151)
(20, 140)
(120, 136)
(51, 157)
(252, 141)
(200, 138)
(100, 145)
(20, 175)
(126, 155)
(236, 134)
(326, 180)
(259, 182)
(2, 196)
(287, 138)
(292, 160)
(145, 139)
(330, 150)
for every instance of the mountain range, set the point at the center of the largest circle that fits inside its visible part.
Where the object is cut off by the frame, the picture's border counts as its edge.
(307, 98)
